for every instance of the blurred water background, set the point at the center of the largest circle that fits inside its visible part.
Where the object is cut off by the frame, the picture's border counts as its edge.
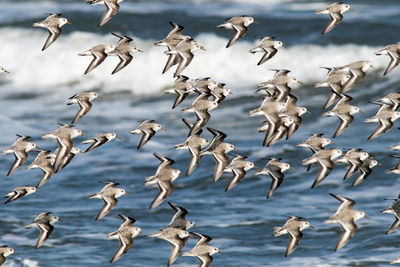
(33, 99)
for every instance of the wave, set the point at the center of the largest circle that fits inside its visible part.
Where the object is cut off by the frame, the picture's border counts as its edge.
(59, 69)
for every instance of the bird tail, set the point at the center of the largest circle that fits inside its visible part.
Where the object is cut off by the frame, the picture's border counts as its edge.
(30, 225)
(94, 196)
(388, 210)
(277, 231)
(150, 180)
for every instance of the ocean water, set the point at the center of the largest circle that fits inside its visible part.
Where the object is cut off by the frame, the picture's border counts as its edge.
(241, 221)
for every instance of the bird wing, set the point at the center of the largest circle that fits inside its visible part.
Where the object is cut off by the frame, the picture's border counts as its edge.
(384, 126)
(172, 60)
(54, 32)
(394, 226)
(20, 158)
(345, 121)
(205, 260)
(295, 237)
(202, 118)
(269, 53)
(14, 197)
(124, 60)
(45, 231)
(111, 9)
(65, 149)
(240, 31)
(194, 159)
(166, 188)
(336, 17)
(185, 59)
(277, 179)
(326, 167)
(125, 243)
(177, 246)
(46, 176)
(109, 204)
(147, 135)
(346, 203)
(394, 61)
(98, 142)
(221, 161)
(238, 174)
(84, 107)
(349, 229)
(203, 239)
(98, 58)
(179, 214)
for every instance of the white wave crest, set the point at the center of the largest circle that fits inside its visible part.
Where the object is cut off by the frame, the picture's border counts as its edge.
(59, 69)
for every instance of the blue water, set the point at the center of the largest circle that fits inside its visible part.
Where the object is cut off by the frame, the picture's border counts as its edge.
(33, 99)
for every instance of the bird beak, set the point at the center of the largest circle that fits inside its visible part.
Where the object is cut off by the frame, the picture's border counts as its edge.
(37, 191)
(163, 129)
(195, 226)
(283, 45)
(99, 96)
(180, 175)
(255, 167)
(16, 253)
(365, 216)
(203, 48)
(60, 220)
(291, 168)
(83, 134)
(351, 8)
(235, 149)
(256, 22)
(230, 93)
(379, 164)
(219, 251)
(312, 227)
(126, 193)
(140, 50)
(69, 23)
(308, 112)
(300, 82)
(6, 71)
(119, 138)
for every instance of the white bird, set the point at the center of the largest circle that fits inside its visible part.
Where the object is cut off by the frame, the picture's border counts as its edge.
(110, 194)
(112, 7)
(335, 11)
(125, 233)
(239, 24)
(44, 222)
(53, 24)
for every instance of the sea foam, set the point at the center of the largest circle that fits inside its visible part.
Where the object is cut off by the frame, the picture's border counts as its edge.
(59, 69)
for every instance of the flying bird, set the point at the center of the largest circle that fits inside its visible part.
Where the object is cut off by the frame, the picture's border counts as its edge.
(239, 24)
(112, 7)
(20, 149)
(44, 221)
(335, 11)
(53, 24)
(125, 233)
(345, 216)
(110, 194)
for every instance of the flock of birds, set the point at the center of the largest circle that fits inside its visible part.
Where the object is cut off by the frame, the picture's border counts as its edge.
(282, 119)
